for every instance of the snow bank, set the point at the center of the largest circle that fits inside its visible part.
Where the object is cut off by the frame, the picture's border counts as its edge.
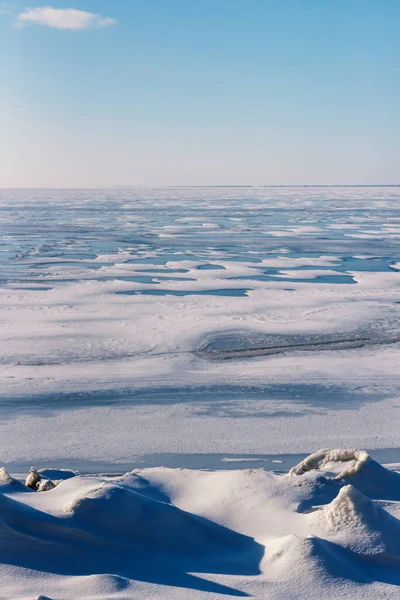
(186, 534)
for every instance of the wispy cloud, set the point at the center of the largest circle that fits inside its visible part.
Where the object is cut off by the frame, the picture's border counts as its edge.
(63, 18)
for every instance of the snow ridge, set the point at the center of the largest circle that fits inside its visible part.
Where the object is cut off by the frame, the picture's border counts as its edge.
(177, 533)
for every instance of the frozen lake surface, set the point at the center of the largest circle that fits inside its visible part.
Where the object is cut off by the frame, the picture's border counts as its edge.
(203, 327)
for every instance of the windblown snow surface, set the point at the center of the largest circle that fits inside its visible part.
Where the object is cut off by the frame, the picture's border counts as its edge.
(193, 327)
(328, 529)
(200, 328)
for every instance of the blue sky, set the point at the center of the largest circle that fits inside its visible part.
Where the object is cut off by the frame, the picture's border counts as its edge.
(199, 92)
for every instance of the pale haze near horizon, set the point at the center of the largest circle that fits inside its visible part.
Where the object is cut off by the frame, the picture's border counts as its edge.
(169, 92)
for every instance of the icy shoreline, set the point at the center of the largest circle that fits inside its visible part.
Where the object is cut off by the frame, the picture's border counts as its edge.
(327, 529)
(278, 463)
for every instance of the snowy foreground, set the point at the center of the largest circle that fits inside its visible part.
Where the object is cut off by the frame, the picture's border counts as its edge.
(328, 529)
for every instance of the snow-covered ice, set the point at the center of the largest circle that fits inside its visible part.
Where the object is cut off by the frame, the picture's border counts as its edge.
(218, 328)
(102, 322)
(179, 533)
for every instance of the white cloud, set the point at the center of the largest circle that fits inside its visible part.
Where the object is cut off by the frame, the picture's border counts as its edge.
(63, 18)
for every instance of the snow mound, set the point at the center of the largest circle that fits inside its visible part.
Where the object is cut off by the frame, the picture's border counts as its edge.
(5, 477)
(350, 509)
(57, 474)
(323, 460)
(376, 481)
(45, 485)
(32, 479)
(45, 480)
(187, 534)
(357, 468)
(311, 562)
(361, 525)
(122, 514)
(8, 483)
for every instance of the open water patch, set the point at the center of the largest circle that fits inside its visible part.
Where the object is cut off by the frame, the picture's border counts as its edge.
(65, 263)
(330, 279)
(210, 267)
(241, 292)
(166, 270)
(149, 279)
(336, 279)
(32, 288)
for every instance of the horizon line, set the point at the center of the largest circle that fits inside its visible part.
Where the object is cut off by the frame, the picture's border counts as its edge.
(303, 185)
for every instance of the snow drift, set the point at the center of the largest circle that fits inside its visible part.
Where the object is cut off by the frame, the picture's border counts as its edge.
(316, 532)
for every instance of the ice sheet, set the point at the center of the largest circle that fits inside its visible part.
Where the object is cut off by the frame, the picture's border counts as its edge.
(107, 295)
